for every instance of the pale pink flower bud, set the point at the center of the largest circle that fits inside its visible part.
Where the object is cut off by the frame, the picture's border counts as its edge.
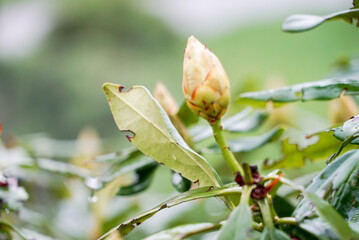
(205, 83)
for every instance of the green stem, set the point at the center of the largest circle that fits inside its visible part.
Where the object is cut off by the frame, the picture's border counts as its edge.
(228, 156)
(267, 215)
(286, 220)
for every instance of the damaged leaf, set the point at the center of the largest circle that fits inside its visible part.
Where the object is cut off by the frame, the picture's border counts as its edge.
(294, 157)
(203, 192)
(137, 112)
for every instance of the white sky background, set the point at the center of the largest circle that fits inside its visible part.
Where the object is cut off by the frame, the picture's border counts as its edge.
(213, 17)
(23, 24)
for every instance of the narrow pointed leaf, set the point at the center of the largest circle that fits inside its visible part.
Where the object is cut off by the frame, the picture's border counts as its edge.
(184, 231)
(244, 121)
(329, 182)
(332, 217)
(239, 224)
(248, 144)
(151, 131)
(203, 192)
(320, 90)
(301, 22)
(277, 235)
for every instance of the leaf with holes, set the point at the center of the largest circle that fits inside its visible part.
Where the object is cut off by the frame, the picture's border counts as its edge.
(294, 157)
(150, 130)
(320, 90)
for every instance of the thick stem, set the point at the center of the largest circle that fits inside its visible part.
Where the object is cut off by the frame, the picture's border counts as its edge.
(286, 220)
(228, 156)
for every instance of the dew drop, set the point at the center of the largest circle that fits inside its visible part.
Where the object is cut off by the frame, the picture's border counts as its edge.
(92, 199)
(93, 183)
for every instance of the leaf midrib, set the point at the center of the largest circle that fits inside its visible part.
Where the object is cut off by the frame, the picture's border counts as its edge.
(163, 133)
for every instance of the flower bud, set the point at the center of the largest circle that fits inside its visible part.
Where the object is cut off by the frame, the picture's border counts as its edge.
(205, 83)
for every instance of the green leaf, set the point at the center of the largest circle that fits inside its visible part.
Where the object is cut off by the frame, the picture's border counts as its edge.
(244, 121)
(134, 162)
(339, 134)
(300, 22)
(186, 115)
(319, 228)
(62, 168)
(239, 224)
(184, 231)
(203, 192)
(277, 235)
(150, 130)
(320, 90)
(329, 182)
(294, 157)
(248, 144)
(355, 4)
(332, 217)
(180, 183)
(144, 176)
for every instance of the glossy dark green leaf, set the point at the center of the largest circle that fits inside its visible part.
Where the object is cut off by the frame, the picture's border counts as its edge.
(300, 22)
(181, 183)
(346, 200)
(184, 231)
(144, 176)
(244, 121)
(186, 115)
(332, 217)
(329, 184)
(239, 224)
(319, 90)
(203, 192)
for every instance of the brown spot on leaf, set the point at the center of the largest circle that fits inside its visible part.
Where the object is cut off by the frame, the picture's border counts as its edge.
(128, 136)
(120, 88)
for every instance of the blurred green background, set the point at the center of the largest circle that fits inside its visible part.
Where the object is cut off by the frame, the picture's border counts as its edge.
(53, 84)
